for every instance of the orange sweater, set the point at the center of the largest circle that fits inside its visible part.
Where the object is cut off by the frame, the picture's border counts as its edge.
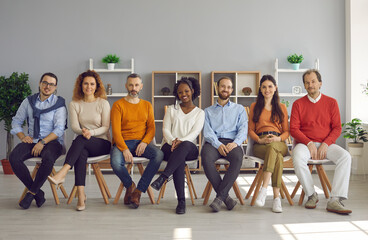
(132, 122)
(265, 124)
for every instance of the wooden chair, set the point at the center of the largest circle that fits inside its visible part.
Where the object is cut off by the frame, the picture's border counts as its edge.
(38, 161)
(93, 161)
(189, 181)
(139, 162)
(325, 182)
(258, 180)
(207, 191)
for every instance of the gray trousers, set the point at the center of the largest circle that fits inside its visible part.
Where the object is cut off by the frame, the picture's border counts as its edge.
(210, 155)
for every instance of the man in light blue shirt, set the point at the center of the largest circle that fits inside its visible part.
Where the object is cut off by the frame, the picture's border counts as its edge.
(46, 116)
(225, 129)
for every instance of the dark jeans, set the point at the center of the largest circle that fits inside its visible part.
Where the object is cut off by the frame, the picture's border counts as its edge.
(22, 152)
(176, 163)
(80, 150)
(210, 155)
(154, 154)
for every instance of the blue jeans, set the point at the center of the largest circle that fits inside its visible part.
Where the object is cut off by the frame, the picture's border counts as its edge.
(154, 154)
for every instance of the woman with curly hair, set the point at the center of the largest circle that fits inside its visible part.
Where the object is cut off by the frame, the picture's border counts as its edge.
(268, 127)
(90, 119)
(181, 126)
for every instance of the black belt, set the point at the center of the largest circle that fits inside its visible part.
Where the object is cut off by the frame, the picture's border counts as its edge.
(269, 132)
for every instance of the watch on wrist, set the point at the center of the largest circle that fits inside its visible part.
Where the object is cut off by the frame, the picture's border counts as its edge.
(42, 141)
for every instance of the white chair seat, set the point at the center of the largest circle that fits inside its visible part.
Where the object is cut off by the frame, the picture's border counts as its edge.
(261, 161)
(97, 159)
(140, 160)
(310, 161)
(222, 161)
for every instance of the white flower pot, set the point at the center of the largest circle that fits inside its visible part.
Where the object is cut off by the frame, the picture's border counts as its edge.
(295, 66)
(356, 149)
(110, 66)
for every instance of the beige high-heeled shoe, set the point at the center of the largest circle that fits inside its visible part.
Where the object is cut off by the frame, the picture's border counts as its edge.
(81, 208)
(57, 183)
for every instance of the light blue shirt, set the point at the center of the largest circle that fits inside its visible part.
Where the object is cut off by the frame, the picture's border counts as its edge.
(229, 121)
(53, 121)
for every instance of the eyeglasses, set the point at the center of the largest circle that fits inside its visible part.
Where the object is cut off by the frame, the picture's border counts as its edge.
(45, 84)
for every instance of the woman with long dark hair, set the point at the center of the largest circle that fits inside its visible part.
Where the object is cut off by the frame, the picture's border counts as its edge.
(90, 119)
(268, 128)
(181, 126)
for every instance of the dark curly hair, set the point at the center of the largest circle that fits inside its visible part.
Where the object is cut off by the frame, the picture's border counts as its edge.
(277, 114)
(78, 92)
(193, 85)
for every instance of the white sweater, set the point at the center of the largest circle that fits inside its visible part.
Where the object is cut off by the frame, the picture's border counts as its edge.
(94, 116)
(185, 127)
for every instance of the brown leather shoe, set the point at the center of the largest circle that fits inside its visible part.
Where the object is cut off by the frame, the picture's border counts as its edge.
(128, 194)
(135, 199)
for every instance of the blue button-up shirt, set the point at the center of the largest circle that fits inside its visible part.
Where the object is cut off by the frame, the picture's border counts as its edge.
(229, 121)
(53, 121)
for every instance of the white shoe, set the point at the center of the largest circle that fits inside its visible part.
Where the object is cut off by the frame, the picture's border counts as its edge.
(276, 207)
(261, 198)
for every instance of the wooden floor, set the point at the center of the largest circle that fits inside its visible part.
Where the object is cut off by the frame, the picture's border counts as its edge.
(101, 221)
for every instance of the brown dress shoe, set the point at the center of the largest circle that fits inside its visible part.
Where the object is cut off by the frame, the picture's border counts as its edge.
(135, 199)
(128, 194)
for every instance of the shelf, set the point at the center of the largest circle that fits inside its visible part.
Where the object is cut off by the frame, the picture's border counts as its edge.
(292, 95)
(117, 70)
(248, 96)
(162, 96)
(117, 95)
(159, 121)
(291, 70)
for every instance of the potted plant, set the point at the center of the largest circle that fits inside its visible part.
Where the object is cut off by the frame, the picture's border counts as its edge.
(110, 60)
(295, 60)
(13, 91)
(354, 130)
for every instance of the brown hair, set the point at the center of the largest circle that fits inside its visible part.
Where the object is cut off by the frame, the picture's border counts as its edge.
(313, 71)
(78, 92)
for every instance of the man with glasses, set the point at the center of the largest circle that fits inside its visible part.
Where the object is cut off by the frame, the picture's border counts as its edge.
(46, 117)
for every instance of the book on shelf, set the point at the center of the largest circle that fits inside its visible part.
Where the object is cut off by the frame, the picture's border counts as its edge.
(215, 88)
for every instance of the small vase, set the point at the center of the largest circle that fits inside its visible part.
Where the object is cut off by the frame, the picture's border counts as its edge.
(110, 66)
(295, 66)
(356, 149)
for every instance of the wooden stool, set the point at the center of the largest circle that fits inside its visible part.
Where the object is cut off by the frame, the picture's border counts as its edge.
(207, 191)
(139, 162)
(325, 182)
(38, 162)
(189, 183)
(93, 161)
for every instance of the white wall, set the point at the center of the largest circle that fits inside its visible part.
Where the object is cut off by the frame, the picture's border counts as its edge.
(357, 59)
(206, 35)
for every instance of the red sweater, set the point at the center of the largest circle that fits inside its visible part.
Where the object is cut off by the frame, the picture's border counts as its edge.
(317, 122)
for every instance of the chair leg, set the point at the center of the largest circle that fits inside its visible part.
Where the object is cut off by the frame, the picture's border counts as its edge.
(162, 191)
(118, 193)
(63, 191)
(259, 173)
(191, 181)
(33, 175)
(259, 183)
(327, 181)
(72, 194)
(282, 194)
(301, 199)
(208, 193)
(98, 175)
(189, 185)
(149, 189)
(204, 194)
(295, 189)
(236, 189)
(288, 197)
(321, 179)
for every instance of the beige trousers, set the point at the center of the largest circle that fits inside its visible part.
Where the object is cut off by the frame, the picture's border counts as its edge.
(273, 156)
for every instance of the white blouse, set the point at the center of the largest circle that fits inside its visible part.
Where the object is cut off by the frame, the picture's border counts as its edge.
(185, 127)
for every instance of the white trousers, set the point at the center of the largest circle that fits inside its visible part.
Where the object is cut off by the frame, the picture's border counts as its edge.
(335, 153)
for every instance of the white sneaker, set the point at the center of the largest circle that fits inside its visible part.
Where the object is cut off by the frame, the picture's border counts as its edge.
(261, 198)
(276, 207)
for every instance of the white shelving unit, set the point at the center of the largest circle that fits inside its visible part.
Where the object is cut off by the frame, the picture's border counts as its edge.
(286, 71)
(116, 70)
